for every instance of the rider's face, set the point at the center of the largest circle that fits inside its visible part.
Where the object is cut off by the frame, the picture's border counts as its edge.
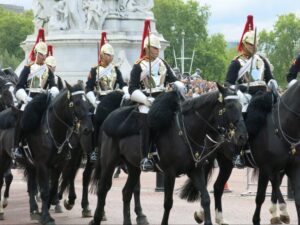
(154, 52)
(40, 58)
(107, 59)
(249, 49)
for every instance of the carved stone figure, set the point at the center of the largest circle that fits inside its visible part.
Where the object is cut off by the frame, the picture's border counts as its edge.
(40, 17)
(95, 14)
(60, 19)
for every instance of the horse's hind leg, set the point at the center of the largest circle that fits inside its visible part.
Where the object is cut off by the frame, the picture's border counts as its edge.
(32, 190)
(260, 196)
(87, 173)
(198, 178)
(141, 217)
(8, 180)
(131, 183)
(1, 201)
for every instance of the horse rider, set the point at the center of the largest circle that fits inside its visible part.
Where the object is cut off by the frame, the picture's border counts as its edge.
(293, 71)
(35, 78)
(253, 78)
(143, 86)
(104, 78)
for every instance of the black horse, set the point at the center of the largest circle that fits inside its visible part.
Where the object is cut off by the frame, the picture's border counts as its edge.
(47, 139)
(217, 114)
(274, 148)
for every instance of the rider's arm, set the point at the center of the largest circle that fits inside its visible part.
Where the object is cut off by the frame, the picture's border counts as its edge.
(120, 80)
(268, 75)
(51, 79)
(294, 69)
(22, 83)
(135, 78)
(91, 81)
(232, 72)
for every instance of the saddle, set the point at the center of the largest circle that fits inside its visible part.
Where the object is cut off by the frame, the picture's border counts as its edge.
(122, 122)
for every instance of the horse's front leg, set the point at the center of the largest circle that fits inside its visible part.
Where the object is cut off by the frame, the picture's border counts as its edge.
(169, 182)
(87, 173)
(32, 192)
(198, 178)
(43, 179)
(260, 196)
(1, 201)
(8, 180)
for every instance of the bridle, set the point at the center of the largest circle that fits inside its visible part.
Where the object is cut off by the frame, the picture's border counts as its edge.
(221, 131)
(74, 128)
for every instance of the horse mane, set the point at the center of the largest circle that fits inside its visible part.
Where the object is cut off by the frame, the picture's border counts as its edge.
(201, 101)
(7, 119)
(62, 93)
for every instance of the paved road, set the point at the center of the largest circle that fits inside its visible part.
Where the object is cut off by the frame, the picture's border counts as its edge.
(237, 209)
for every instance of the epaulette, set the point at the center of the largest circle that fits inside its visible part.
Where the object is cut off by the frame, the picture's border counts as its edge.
(237, 57)
(95, 66)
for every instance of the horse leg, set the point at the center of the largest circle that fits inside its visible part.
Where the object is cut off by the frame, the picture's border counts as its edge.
(225, 169)
(1, 201)
(284, 216)
(8, 180)
(141, 217)
(169, 182)
(260, 196)
(293, 174)
(32, 191)
(69, 204)
(55, 174)
(87, 173)
(198, 178)
(43, 179)
(131, 183)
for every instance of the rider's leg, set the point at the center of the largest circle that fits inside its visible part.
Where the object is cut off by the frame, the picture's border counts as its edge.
(146, 164)
(238, 158)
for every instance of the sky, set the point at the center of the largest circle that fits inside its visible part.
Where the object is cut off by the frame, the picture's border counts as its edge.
(229, 16)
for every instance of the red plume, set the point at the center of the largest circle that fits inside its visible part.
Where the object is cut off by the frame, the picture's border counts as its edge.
(40, 37)
(248, 26)
(102, 42)
(145, 34)
(50, 50)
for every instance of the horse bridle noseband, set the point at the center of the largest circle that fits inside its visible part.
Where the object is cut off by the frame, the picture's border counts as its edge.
(198, 158)
(71, 129)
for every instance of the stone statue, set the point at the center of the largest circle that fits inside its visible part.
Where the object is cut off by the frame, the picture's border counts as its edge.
(40, 16)
(124, 65)
(60, 21)
(76, 17)
(95, 14)
(129, 6)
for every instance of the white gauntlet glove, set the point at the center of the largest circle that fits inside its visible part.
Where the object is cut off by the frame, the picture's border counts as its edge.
(291, 83)
(54, 91)
(21, 95)
(140, 97)
(92, 98)
(272, 84)
(126, 95)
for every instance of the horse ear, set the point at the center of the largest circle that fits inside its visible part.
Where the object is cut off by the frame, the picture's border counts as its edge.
(221, 88)
(68, 85)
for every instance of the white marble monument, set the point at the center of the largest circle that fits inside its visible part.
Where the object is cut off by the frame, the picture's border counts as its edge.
(74, 28)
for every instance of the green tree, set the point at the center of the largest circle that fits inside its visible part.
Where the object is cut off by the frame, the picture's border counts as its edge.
(14, 27)
(211, 54)
(281, 44)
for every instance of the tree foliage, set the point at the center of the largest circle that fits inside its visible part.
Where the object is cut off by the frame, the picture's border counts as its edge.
(14, 27)
(281, 44)
(211, 54)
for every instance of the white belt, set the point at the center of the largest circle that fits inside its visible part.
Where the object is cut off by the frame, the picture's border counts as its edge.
(154, 90)
(36, 90)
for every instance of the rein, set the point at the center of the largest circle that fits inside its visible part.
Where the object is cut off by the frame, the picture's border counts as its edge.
(293, 142)
(198, 158)
(70, 129)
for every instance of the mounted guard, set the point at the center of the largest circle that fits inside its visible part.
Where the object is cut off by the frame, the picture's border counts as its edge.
(251, 71)
(294, 69)
(148, 78)
(35, 78)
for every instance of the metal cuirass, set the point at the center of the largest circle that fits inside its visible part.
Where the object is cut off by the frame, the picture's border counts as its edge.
(38, 76)
(107, 77)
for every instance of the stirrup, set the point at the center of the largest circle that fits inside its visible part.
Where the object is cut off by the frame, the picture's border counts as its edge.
(16, 153)
(147, 165)
(94, 156)
(239, 162)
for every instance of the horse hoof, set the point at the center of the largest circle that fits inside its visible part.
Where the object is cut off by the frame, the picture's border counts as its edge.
(104, 218)
(67, 205)
(48, 221)
(285, 219)
(275, 220)
(86, 213)
(1, 216)
(5, 203)
(58, 209)
(35, 215)
(197, 218)
(142, 220)
(91, 222)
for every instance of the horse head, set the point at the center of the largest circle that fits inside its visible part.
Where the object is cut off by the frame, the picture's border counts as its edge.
(230, 118)
(79, 108)
(7, 94)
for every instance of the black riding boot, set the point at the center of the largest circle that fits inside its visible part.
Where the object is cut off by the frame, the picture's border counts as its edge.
(146, 164)
(18, 151)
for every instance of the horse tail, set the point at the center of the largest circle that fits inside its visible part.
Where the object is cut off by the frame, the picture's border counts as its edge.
(189, 192)
(96, 177)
